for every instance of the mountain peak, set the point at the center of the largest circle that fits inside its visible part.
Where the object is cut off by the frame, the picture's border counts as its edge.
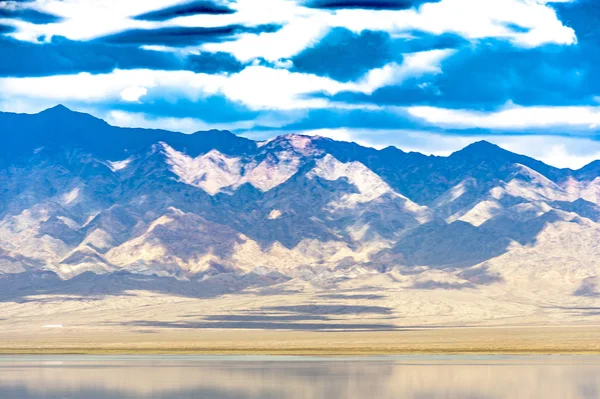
(589, 172)
(60, 107)
(483, 150)
(60, 113)
(482, 145)
(295, 142)
(57, 109)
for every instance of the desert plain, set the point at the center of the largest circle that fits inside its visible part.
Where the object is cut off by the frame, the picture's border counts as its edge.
(310, 322)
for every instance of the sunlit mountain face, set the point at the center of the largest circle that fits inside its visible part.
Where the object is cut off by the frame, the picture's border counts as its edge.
(430, 76)
(435, 156)
(215, 212)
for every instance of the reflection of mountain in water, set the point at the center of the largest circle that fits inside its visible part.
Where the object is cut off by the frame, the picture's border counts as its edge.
(501, 378)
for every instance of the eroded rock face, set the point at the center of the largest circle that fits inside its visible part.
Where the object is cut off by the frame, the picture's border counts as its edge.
(78, 195)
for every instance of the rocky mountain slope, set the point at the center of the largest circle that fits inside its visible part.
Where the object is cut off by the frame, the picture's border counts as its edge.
(214, 212)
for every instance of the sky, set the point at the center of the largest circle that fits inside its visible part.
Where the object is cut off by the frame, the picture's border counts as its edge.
(424, 75)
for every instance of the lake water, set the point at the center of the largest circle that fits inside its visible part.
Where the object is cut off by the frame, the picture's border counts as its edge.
(407, 377)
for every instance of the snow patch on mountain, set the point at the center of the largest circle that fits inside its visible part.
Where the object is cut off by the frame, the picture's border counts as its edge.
(272, 171)
(274, 214)
(300, 143)
(589, 191)
(69, 222)
(564, 255)
(178, 243)
(357, 232)
(260, 144)
(12, 262)
(455, 192)
(99, 239)
(213, 172)
(116, 166)
(481, 213)
(369, 185)
(71, 196)
(248, 254)
(529, 210)
(533, 186)
(83, 259)
(27, 219)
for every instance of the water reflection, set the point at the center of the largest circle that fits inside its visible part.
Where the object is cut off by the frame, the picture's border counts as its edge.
(264, 378)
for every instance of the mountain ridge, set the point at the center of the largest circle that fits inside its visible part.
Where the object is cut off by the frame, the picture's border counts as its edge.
(478, 146)
(217, 214)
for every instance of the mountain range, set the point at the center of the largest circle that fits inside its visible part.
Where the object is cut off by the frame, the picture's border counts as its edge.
(212, 212)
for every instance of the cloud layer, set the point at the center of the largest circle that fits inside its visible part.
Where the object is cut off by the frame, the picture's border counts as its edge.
(372, 71)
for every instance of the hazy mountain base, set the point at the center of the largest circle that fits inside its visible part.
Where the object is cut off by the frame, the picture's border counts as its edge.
(113, 304)
(297, 319)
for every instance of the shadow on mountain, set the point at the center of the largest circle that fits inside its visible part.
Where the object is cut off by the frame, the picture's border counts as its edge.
(460, 244)
(584, 311)
(274, 290)
(481, 276)
(590, 287)
(434, 285)
(581, 207)
(353, 297)
(474, 277)
(264, 318)
(28, 286)
(523, 232)
(264, 325)
(29, 392)
(331, 309)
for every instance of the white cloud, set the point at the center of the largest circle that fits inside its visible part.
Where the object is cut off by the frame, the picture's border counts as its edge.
(183, 125)
(133, 93)
(88, 19)
(86, 87)
(302, 27)
(266, 88)
(512, 118)
(285, 43)
(257, 87)
(413, 65)
(472, 19)
(537, 24)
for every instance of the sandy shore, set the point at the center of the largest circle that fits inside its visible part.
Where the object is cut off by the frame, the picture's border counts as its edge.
(512, 340)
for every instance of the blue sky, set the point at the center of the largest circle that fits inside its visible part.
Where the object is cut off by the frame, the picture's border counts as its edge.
(424, 75)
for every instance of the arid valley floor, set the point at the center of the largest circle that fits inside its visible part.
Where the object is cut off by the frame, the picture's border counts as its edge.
(309, 322)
